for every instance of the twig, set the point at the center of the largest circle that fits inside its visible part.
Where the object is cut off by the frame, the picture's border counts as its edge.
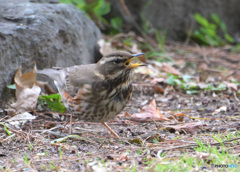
(7, 138)
(8, 105)
(196, 145)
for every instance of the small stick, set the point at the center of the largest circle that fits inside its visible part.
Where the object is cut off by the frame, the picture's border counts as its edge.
(115, 134)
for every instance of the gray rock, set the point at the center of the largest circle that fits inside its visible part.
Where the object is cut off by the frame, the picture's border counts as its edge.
(177, 15)
(50, 34)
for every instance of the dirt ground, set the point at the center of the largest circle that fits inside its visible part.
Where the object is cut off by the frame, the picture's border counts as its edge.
(44, 144)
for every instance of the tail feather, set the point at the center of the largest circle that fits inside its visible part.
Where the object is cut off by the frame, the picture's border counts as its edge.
(58, 76)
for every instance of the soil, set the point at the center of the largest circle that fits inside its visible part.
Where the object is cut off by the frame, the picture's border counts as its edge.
(44, 144)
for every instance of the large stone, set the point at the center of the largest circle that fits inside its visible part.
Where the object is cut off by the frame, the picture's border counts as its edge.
(176, 16)
(50, 34)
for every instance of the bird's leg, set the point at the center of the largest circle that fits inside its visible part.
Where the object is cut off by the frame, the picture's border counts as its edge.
(115, 134)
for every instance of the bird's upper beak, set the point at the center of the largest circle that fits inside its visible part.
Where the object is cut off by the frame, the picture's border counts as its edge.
(133, 65)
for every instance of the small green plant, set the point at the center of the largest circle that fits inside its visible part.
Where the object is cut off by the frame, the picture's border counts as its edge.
(5, 128)
(146, 24)
(53, 102)
(148, 29)
(236, 49)
(222, 155)
(184, 82)
(96, 10)
(52, 166)
(45, 153)
(128, 41)
(161, 39)
(43, 167)
(60, 152)
(25, 158)
(208, 33)
(159, 53)
(29, 146)
(134, 168)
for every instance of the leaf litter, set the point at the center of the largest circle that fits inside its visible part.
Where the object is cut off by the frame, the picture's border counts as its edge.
(180, 109)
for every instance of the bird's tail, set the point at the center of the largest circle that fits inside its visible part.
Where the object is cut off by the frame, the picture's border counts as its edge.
(58, 76)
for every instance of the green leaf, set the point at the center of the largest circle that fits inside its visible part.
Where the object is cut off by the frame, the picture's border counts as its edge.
(161, 39)
(215, 18)
(173, 80)
(186, 78)
(192, 91)
(81, 5)
(116, 23)
(221, 87)
(223, 27)
(12, 86)
(201, 20)
(102, 8)
(63, 139)
(208, 32)
(162, 57)
(128, 41)
(5, 128)
(228, 38)
(53, 102)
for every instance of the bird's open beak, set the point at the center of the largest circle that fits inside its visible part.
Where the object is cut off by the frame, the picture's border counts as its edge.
(133, 65)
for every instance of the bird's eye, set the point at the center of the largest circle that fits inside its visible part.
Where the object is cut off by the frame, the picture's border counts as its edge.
(116, 61)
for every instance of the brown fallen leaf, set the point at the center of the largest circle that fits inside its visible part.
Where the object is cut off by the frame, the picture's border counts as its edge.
(231, 86)
(191, 128)
(123, 157)
(105, 47)
(127, 115)
(221, 109)
(158, 89)
(157, 80)
(27, 91)
(169, 69)
(180, 116)
(149, 113)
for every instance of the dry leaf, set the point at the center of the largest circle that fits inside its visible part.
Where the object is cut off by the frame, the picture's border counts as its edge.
(157, 80)
(191, 128)
(221, 109)
(180, 116)
(169, 69)
(123, 157)
(27, 91)
(202, 155)
(20, 119)
(127, 115)
(158, 89)
(149, 113)
(105, 47)
(149, 70)
(232, 86)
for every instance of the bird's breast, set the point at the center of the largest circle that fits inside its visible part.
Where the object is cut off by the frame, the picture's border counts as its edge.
(104, 104)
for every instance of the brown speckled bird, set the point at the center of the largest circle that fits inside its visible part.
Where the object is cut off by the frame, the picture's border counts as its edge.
(96, 92)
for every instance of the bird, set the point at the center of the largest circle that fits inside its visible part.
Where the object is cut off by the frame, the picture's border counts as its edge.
(96, 92)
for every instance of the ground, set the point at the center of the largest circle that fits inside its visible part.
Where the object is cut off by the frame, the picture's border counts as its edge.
(200, 103)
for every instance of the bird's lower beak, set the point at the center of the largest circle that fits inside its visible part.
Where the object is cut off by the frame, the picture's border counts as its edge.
(133, 65)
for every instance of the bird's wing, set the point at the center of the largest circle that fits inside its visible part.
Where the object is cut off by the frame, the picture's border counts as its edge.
(78, 76)
(73, 78)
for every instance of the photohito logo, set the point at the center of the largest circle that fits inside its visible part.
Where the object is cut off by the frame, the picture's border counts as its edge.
(224, 166)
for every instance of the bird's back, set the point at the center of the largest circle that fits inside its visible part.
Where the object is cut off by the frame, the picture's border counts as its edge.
(70, 79)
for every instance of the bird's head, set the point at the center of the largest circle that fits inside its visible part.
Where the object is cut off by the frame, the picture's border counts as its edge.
(118, 63)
